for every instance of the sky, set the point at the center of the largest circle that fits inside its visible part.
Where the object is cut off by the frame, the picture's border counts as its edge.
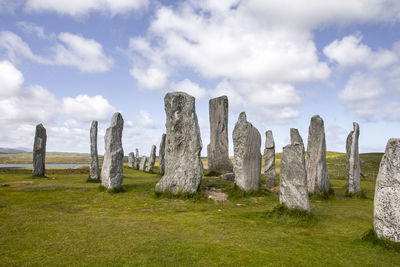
(65, 63)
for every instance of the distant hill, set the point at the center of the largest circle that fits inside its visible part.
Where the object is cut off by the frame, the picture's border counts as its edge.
(7, 150)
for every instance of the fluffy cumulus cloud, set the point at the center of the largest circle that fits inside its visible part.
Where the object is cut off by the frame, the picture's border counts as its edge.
(87, 108)
(11, 79)
(72, 50)
(189, 87)
(79, 8)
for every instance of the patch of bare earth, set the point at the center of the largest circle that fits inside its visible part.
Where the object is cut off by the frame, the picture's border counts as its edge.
(215, 194)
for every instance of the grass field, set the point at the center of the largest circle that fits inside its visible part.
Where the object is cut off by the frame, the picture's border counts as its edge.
(61, 220)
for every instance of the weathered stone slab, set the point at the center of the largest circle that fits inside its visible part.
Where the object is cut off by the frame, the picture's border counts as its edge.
(230, 176)
(353, 160)
(94, 158)
(295, 137)
(317, 174)
(218, 149)
(152, 159)
(293, 191)
(387, 193)
(269, 159)
(137, 159)
(131, 159)
(112, 170)
(39, 151)
(183, 165)
(246, 146)
(143, 163)
(161, 156)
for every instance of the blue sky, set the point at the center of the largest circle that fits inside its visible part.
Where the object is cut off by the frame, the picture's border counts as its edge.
(66, 63)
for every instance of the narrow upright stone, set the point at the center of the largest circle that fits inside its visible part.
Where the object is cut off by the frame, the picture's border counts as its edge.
(143, 162)
(269, 159)
(112, 170)
(183, 165)
(353, 160)
(295, 137)
(387, 193)
(218, 149)
(317, 174)
(94, 158)
(293, 191)
(152, 159)
(246, 146)
(131, 159)
(39, 151)
(137, 159)
(161, 154)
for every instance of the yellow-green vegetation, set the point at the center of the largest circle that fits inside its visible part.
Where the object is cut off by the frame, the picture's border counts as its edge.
(62, 220)
(51, 158)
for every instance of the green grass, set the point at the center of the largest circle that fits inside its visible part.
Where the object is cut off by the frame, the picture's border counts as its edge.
(62, 220)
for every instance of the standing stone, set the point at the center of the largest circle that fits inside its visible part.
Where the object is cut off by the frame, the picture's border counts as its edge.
(246, 146)
(387, 193)
(317, 174)
(137, 159)
(269, 159)
(183, 165)
(161, 156)
(152, 159)
(293, 191)
(39, 151)
(112, 171)
(94, 158)
(131, 159)
(218, 149)
(143, 162)
(295, 137)
(353, 160)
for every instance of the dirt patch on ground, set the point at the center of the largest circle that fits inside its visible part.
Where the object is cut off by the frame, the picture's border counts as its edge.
(215, 194)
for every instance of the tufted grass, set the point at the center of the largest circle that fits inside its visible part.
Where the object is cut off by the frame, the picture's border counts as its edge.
(61, 220)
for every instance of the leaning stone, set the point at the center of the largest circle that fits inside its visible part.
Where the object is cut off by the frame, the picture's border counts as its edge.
(152, 159)
(112, 170)
(353, 160)
(131, 159)
(246, 146)
(218, 149)
(317, 174)
(230, 176)
(295, 137)
(293, 178)
(161, 156)
(39, 151)
(137, 159)
(143, 162)
(183, 165)
(269, 159)
(387, 193)
(94, 158)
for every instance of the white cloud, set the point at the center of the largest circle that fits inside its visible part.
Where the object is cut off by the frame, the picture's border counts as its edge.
(145, 121)
(362, 94)
(32, 28)
(78, 8)
(86, 108)
(189, 87)
(11, 79)
(350, 52)
(152, 78)
(75, 51)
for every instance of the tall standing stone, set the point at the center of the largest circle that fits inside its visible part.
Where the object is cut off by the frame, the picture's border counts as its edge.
(39, 151)
(293, 192)
(295, 137)
(387, 193)
(137, 159)
(143, 162)
(183, 165)
(269, 159)
(161, 154)
(94, 157)
(353, 160)
(246, 146)
(317, 174)
(152, 159)
(112, 171)
(218, 149)
(131, 159)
